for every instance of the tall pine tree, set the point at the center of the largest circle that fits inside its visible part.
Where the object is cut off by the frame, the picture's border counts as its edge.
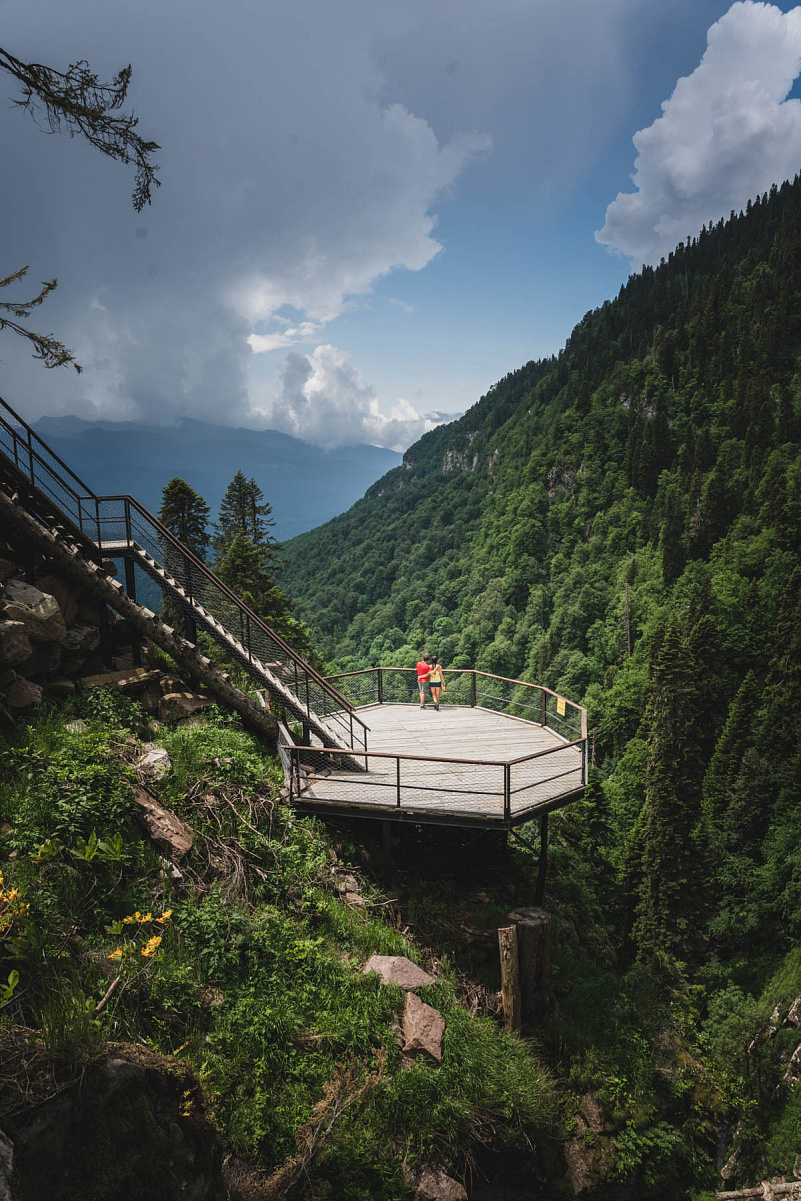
(670, 868)
(186, 515)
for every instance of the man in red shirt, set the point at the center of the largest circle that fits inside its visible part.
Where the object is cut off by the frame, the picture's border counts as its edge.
(423, 672)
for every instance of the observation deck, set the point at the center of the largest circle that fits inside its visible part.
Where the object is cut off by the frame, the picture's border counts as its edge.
(497, 753)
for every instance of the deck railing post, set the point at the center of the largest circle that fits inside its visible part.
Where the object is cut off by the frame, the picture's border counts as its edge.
(97, 522)
(473, 688)
(380, 686)
(128, 537)
(507, 793)
(397, 779)
(30, 456)
(543, 711)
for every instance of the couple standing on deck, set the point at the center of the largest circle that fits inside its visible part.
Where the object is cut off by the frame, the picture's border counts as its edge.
(430, 675)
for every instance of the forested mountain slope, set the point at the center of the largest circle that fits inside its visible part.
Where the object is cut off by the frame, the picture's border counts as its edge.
(623, 523)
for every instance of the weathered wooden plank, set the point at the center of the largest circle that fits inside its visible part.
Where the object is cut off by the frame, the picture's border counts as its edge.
(510, 977)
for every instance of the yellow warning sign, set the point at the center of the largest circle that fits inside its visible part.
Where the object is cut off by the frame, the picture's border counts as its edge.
(560, 706)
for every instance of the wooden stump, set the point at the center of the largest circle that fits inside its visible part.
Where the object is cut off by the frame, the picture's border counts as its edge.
(510, 977)
(533, 928)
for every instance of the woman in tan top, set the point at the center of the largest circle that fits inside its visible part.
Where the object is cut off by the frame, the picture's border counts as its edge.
(436, 681)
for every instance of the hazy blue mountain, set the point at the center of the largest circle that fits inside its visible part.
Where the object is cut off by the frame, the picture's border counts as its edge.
(305, 485)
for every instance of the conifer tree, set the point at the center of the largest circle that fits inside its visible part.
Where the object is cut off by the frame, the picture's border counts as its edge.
(670, 867)
(730, 749)
(244, 570)
(673, 556)
(185, 514)
(244, 508)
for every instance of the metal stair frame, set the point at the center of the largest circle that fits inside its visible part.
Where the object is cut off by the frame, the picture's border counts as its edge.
(66, 505)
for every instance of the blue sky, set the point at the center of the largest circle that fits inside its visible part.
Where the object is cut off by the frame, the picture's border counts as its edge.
(370, 212)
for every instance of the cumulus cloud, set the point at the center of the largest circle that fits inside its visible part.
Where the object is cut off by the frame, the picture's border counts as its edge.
(323, 399)
(726, 134)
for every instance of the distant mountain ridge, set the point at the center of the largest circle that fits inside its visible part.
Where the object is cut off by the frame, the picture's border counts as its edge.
(305, 485)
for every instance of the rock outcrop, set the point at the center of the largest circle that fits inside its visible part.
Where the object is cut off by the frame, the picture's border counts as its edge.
(130, 1126)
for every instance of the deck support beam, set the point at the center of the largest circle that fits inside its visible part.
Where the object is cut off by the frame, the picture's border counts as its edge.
(130, 589)
(386, 838)
(543, 862)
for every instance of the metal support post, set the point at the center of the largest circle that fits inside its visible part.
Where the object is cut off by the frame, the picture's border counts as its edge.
(507, 793)
(380, 686)
(130, 588)
(473, 689)
(540, 894)
(543, 712)
(106, 650)
(386, 831)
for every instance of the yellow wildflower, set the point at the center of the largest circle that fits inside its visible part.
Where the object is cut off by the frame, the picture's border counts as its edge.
(165, 917)
(151, 946)
(145, 917)
(115, 954)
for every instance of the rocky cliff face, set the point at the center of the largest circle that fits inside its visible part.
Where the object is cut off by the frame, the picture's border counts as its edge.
(128, 1125)
(50, 633)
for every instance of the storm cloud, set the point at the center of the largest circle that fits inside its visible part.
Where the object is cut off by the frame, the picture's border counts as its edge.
(306, 148)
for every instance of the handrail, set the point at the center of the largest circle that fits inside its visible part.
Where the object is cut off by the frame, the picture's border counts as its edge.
(71, 492)
(580, 710)
(205, 570)
(368, 754)
(463, 777)
(88, 493)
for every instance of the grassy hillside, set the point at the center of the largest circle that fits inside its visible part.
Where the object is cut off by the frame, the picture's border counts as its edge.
(244, 963)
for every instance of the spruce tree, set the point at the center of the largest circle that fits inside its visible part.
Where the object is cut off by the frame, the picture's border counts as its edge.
(244, 508)
(670, 869)
(244, 570)
(185, 514)
(730, 749)
(673, 554)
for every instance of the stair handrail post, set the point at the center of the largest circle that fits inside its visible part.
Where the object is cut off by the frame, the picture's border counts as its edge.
(473, 688)
(30, 455)
(247, 645)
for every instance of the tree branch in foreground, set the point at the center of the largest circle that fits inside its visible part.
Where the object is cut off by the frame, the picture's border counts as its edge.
(76, 101)
(46, 348)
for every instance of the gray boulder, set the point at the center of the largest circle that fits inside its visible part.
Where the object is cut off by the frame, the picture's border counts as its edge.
(37, 611)
(423, 1028)
(397, 969)
(22, 693)
(15, 645)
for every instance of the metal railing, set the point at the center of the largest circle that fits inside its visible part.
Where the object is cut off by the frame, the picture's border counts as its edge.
(431, 787)
(44, 470)
(438, 786)
(116, 525)
(466, 686)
